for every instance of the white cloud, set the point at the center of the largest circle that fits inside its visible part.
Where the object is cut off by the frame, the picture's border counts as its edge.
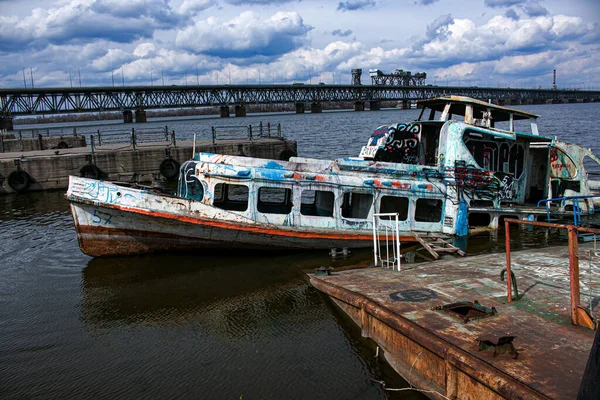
(246, 35)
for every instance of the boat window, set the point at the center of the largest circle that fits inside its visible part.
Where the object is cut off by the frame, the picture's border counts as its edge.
(494, 155)
(561, 165)
(231, 197)
(393, 204)
(428, 210)
(356, 205)
(317, 203)
(274, 200)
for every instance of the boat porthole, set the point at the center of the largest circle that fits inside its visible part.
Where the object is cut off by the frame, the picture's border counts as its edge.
(19, 180)
(169, 168)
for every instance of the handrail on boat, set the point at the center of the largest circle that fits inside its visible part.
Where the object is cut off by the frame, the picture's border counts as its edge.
(579, 315)
(574, 199)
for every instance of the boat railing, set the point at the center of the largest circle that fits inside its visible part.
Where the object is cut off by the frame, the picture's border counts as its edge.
(562, 201)
(386, 241)
(245, 131)
(579, 315)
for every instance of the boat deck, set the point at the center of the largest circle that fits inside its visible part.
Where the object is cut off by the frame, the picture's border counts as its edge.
(437, 351)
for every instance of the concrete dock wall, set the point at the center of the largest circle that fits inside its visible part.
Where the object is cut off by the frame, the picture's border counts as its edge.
(47, 170)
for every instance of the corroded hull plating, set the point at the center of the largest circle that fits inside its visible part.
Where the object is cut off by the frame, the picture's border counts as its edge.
(114, 220)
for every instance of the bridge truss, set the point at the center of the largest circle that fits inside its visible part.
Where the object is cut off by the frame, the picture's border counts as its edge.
(96, 99)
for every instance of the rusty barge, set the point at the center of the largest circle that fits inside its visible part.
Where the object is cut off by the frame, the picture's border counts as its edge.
(454, 330)
(464, 163)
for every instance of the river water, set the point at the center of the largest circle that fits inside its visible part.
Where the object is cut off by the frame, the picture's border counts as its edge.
(209, 326)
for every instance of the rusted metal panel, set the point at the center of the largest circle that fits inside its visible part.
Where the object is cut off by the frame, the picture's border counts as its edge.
(552, 353)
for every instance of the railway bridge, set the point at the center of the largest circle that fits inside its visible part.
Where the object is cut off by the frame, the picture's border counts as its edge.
(135, 100)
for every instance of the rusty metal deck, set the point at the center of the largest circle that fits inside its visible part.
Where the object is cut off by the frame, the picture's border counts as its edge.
(436, 351)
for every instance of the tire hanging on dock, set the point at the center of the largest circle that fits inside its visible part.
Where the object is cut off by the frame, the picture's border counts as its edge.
(169, 168)
(90, 171)
(286, 155)
(19, 180)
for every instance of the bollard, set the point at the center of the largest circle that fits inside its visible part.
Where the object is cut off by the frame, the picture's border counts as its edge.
(92, 143)
(261, 129)
(249, 132)
(214, 134)
(173, 138)
(268, 129)
(99, 138)
(133, 138)
(279, 130)
(166, 133)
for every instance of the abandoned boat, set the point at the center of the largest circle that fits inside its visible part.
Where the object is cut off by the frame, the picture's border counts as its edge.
(463, 163)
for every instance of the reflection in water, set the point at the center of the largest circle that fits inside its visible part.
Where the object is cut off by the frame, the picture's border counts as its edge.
(252, 326)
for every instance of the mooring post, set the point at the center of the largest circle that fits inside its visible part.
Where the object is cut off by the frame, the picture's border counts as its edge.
(74, 131)
(99, 138)
(261, 129)
(173, 138)
(250, 132)
(279, 130)
(166, 133)
(214, 134)
(508, 273)
(133, 138)
(21, 140)
(574, 272)
(268, 129)
(92, 143)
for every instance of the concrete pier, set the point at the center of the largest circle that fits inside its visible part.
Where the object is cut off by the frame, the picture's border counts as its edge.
(50, 169)
(299, 108)
(437, 351)
(140, 116)
(316, 108)
(359, 106)
(224, 111)
(240, 110)
(127, 117)
(6, 123)
(374, 105)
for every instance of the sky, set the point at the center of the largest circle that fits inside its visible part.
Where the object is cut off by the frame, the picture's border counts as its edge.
(496, 43)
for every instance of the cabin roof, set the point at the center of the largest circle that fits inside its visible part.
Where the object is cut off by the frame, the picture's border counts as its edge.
(459, 104)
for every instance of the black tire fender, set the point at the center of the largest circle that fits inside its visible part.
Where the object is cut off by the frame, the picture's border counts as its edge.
(169, 168)
(287, 154)
(90, 171)
(19, 180)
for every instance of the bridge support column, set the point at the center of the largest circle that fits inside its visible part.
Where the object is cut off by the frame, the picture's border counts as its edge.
(501, 102)
(299, 108)
(240, 110)
(375, 105)
(224, 111)
(6, 123)
(405, 105)
(127, 117)
(572, 100)
(316, 108)
(359, 106)
(140, 116)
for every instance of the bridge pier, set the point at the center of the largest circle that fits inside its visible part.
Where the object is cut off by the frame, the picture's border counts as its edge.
(224, 111)
(404, 105)
(127, 117)
(359, 106)
(374, 105)
(316, 108)
(140, 116)
(6, 123)
(240, 110)
(299, 108)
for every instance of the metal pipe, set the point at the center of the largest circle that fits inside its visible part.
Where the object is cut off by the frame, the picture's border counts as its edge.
(574, 272)
(507, 242)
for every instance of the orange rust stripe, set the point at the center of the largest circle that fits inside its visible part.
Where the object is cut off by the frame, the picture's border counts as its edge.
(246, 228)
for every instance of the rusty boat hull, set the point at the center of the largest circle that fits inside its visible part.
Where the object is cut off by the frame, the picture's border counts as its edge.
(115, 220)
